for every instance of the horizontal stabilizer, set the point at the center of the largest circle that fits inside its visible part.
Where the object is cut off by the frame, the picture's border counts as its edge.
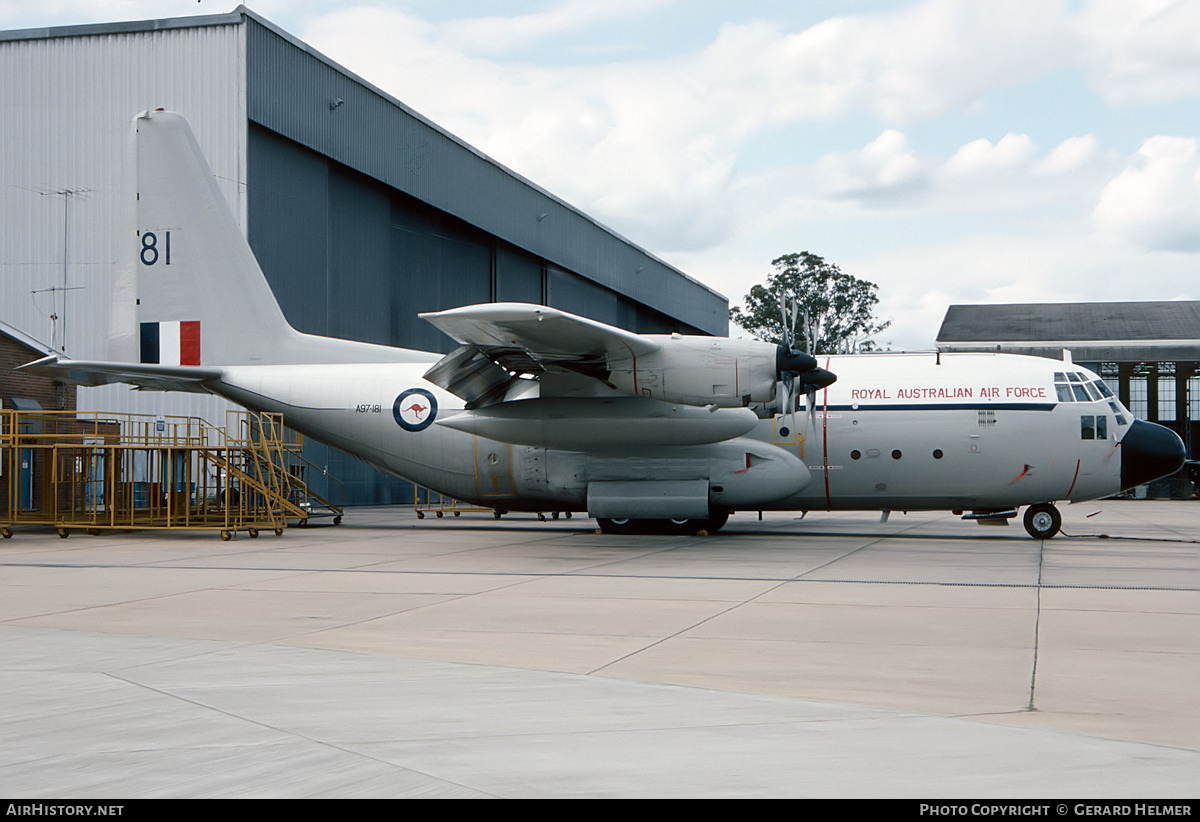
(150, 377)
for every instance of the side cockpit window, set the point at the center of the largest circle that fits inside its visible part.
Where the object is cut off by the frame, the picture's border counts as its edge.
(1118, 412)
(1093, 427)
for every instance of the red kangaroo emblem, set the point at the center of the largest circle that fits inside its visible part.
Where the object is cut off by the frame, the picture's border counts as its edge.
(418, 409)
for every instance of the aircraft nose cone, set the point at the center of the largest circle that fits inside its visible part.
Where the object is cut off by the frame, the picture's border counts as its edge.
(1148, 452)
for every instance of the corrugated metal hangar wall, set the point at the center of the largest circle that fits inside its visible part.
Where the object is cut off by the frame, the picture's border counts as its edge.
(361, 212)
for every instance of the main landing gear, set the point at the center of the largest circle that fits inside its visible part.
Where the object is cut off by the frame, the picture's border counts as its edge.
(687, 527)
(1042, 521)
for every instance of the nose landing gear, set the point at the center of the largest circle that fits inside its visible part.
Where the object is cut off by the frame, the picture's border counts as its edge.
(1042, 521)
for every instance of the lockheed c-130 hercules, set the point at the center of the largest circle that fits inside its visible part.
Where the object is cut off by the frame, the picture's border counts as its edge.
(541, 410)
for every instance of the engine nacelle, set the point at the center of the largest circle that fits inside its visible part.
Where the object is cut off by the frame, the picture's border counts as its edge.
(700, 371)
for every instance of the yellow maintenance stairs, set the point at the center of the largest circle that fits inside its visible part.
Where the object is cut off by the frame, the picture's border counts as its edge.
(94, 471)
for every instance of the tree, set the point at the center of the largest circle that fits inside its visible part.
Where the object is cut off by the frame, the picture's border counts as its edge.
(839, 308)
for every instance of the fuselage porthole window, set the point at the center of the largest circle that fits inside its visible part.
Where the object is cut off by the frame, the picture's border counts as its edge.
(937, 453)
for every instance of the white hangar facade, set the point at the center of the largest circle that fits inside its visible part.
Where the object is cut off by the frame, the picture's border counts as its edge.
(361, 212)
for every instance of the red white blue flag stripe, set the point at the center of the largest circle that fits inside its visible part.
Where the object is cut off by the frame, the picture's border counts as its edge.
(174, 342)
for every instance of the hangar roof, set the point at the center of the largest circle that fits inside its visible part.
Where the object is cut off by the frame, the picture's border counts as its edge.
(1119, 331)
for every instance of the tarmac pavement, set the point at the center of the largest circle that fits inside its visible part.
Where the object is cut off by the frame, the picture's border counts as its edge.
(832, 655)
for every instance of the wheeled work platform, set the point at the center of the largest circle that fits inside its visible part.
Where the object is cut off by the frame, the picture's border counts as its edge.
(96, 471)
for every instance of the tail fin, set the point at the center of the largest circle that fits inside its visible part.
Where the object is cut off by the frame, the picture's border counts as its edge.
(188, 289)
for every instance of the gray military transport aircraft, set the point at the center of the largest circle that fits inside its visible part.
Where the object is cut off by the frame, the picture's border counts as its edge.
(541, 410)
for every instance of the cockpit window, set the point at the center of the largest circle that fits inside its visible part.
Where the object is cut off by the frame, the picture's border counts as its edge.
(1073, 386)
(1118, 412)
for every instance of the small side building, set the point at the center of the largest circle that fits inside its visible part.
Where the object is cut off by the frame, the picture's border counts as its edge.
(20, 390)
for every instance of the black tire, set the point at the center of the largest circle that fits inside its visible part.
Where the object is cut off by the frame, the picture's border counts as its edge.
(619, 526)
(1042, 521)
(688, 527)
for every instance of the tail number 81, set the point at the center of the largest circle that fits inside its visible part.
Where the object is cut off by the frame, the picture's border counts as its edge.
(150, 248)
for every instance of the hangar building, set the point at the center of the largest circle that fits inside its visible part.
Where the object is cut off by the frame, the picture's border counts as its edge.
(1148, 352)
(361, 212)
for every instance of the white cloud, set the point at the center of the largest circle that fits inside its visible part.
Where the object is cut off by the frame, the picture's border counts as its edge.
(1070, 155)
(983, 158)
(885, 168)
(1142, 51)
(1155, 201)
(651, 147)
(495, 34)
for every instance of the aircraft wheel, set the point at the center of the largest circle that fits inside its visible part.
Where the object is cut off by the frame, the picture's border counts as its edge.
(688, 527)
(697, 527)
(618, 526)
(1042, 521)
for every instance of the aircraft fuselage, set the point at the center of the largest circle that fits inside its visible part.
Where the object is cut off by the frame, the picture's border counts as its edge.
(895, 432)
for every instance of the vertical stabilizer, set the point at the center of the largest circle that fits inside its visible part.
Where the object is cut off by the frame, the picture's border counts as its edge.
(188, 289)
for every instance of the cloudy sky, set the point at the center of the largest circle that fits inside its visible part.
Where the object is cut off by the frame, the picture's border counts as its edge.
(952, 151)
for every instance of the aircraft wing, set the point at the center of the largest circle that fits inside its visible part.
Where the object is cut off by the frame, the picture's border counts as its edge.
(502, 341)
(145, 376)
